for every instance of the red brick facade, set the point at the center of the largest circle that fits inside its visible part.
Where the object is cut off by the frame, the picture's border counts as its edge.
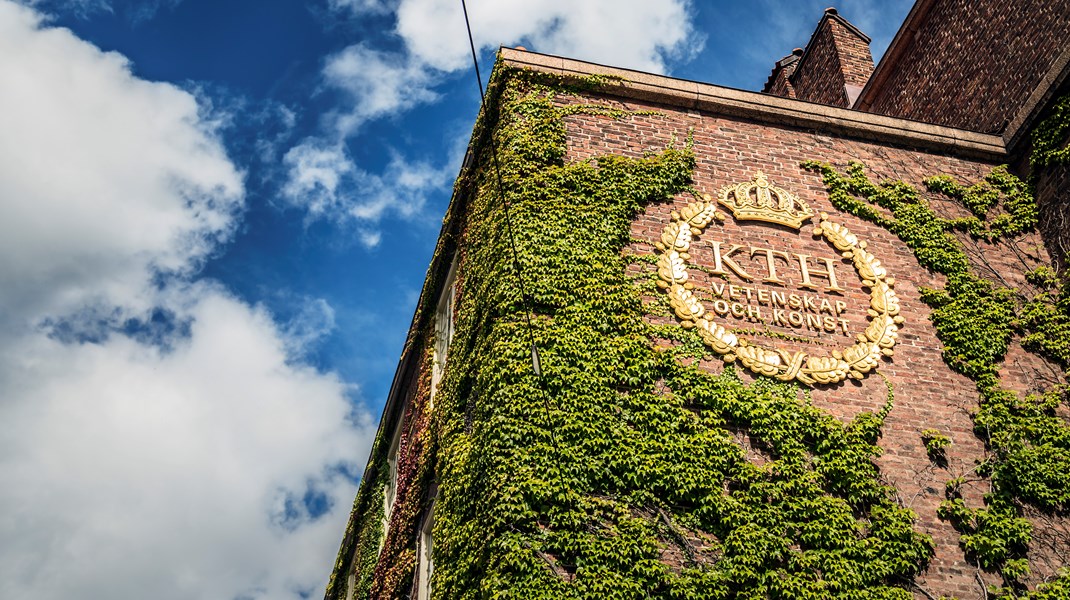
(832, 69)
(949, 69)
(969, 64)
(928, 394)
(779, 83)
(1053, 200)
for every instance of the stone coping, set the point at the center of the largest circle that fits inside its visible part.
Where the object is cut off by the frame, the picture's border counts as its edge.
(766, 108)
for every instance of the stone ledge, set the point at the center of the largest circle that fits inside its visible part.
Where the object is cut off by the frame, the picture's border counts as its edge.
(765, 108)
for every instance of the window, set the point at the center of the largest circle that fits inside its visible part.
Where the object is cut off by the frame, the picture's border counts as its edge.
(425, 568)
(443, 327)
(351, 585)
(390, 492)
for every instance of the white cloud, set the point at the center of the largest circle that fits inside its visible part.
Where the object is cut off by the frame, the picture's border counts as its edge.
(322, 178)
(312, 321)
(107, 179)
(317, 174)
(81, 8)
(625, 33)
(127, 468)
(377, 84)
(324, 181)
(362, 6)
(277, 122)
(638, 34)
(160, 435)
(137, 11)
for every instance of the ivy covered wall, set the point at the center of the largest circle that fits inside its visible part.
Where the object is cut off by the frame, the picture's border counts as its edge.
(634, 464)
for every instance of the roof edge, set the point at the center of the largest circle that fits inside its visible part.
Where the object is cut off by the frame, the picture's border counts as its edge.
(780, 65)
(829, 14)
(766, 108)
(899, 44)
(1016, 131)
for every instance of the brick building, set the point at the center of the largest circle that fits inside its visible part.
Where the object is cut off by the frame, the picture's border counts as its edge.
(673, 345)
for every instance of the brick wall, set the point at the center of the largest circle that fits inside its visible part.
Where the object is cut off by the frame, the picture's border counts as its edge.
(837, 57)
(856, 62)
(972, 63)
(779, 83)
(927, 393)
(1053, 200)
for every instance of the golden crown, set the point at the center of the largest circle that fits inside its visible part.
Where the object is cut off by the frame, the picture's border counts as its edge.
(756, 200)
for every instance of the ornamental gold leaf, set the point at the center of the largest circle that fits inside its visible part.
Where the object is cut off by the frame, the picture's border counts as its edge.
(757, 200)
(767, 203)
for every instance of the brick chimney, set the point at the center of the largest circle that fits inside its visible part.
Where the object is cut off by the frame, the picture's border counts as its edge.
(778, 83)
(832, 69)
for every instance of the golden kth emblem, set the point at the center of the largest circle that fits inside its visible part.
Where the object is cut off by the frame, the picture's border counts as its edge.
(758, 200)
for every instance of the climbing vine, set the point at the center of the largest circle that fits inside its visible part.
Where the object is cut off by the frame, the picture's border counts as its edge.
(617, 468)
(1050, 174)
(621, 469)
(1050, 138)
(383, 565)
(1028, 443)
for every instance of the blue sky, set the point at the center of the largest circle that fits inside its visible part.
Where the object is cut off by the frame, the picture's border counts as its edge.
(215, 218)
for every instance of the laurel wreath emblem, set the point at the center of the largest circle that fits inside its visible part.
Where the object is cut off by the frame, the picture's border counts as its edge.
(854, 361)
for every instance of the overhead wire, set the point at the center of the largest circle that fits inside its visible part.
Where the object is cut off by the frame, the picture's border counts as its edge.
(525, 298)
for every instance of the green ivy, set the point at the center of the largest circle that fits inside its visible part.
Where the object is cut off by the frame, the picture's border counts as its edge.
(1028, 460)
(1050, 138)
(621, 469)
(936, 445)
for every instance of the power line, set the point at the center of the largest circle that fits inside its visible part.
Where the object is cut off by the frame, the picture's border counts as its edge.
(505, 204)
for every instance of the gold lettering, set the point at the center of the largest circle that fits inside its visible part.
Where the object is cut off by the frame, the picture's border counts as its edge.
(813, 322)
(738, 310)
(797, 310)
(770, 264)
(826, 306)
(778, 317)
(721, 260)
(829, 273)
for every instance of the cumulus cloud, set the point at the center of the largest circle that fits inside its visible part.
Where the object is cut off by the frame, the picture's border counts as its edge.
(107, 179)
(81, 8)
(128, 468)
(324, 180)
(361, 6)
(137, 11)
(625, 33)
(313, 320)
(160, 436)
(377, 84)
(640, 34)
